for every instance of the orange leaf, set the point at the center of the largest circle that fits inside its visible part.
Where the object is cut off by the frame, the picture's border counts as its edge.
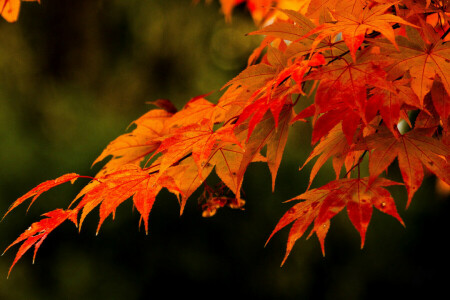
(196, 138)
(197, 109)
(38, 231)
(254, 76)
(41, 188)
(115, 188)
(133, 147)
(188, 177)
(353, 26)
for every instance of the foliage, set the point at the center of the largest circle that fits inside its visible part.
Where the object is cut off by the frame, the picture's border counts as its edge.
(362, 69)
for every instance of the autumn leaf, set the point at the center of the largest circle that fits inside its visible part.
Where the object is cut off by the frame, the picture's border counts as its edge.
(353, 25)
(126, 182)
(320, 9)
(38, 231)
(196, 138)
(188, 177)
(288, 31)
(197, 109)
(41, 188)
(423, 61)
(391, 103)
(334, 146)
(133, 147)
(342, 93)
(254, 76)
(413, 149)
(322, 204)
(296, 31)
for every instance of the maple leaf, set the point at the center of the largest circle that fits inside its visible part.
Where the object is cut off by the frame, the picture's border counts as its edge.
(225, 158)
(342, 93)
(38, 231)
(321, 9)
(323, 203)
(354, 24)
(197, 109)
(188, 177)
(230, 160)
(196, 138)
(296, 31)
(390, 103)
(254, 77)
(115, 188)
(232, 102)
(289, 31)
(41, 188)
(133, 147)
(423, 61)
(413, 149)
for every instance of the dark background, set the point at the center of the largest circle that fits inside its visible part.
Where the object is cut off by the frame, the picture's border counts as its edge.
(74, 74)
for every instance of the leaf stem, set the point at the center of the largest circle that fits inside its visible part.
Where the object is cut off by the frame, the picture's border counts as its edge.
(445, 34)
(357, 164)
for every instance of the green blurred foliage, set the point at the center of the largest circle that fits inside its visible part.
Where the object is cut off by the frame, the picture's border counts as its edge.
(74, 74)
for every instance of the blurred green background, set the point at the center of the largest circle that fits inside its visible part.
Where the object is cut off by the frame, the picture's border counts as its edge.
(74, 74)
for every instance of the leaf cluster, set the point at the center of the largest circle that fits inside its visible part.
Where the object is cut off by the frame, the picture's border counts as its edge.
(371, 66)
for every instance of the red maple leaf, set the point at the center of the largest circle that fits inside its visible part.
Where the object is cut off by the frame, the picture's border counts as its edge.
(322, 204)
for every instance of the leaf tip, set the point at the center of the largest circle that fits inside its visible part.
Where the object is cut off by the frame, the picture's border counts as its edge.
(284, 259)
